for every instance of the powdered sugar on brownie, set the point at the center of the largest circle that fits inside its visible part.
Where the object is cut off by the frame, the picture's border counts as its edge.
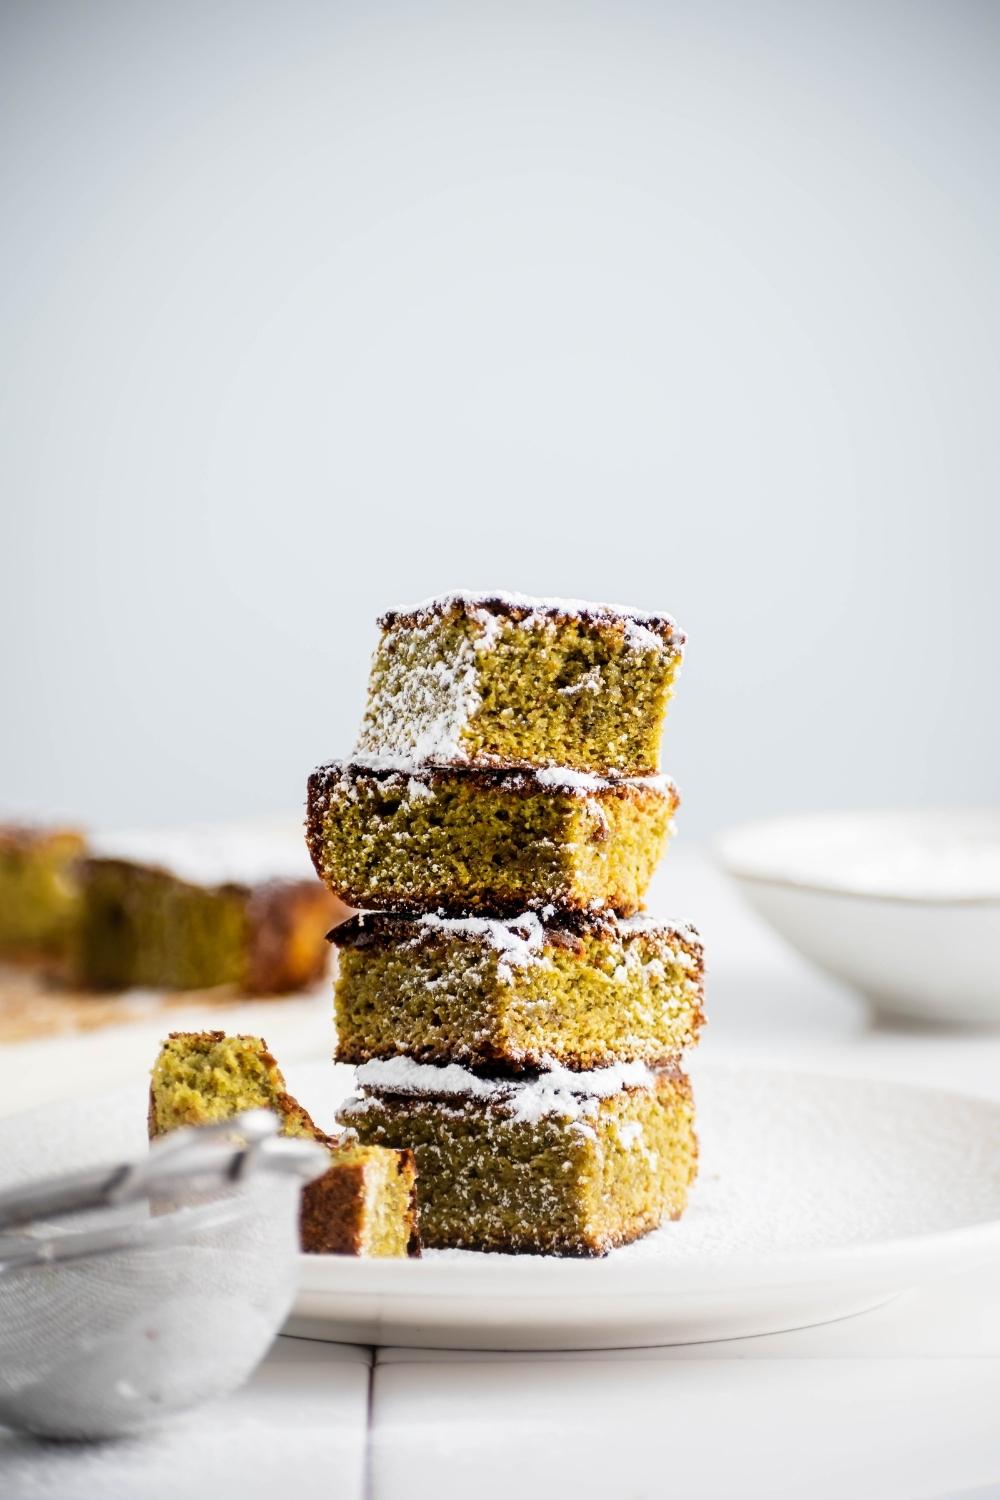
(564, 779)
(548, 778)
(433, 694)
(555, 1091)
(649, 628)
(423, 712)
(518, 940)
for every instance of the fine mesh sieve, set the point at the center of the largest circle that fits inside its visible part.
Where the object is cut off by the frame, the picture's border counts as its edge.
(131, 1292)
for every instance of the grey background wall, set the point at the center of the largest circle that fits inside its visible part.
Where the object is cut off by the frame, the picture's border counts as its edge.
(311, 308)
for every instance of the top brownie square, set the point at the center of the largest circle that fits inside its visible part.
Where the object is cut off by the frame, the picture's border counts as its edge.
(502, 680)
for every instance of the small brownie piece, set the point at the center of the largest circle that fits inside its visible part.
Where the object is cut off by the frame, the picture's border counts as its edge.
(38, 891)
(556, 1164)
(364, 1205)
(501, 842)
(192, 912)
(505, 680)
(583, 991)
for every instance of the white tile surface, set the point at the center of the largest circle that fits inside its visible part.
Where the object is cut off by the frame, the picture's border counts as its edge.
(898, 1429)
(297, 1429)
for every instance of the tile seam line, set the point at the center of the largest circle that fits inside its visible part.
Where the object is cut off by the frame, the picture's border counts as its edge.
(509, 1357)
(367, 1463)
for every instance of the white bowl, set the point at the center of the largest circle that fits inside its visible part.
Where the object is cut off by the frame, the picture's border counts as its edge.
(904, 906)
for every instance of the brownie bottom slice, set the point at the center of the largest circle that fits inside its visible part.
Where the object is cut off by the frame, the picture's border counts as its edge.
(364, 1204)
(557, 1163)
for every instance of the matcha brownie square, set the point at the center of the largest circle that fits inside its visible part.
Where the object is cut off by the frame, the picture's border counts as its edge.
(583, 991)
(505, 680)
(558, 1163)
(460, 840)
(199, 909)
(39, 893)
(365, 1204)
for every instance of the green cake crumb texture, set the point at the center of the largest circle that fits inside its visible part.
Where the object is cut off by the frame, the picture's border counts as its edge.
(504, 680)
(470, 840)
(578, 1178)
(142, 927)
(491, 993)
(200, 1078)
(39, 893)
(364, 1204)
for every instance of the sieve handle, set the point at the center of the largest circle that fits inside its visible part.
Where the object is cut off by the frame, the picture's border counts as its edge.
(199, 1158)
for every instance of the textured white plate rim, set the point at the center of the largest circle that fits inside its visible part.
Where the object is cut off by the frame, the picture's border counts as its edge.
(964, 1242)
(741, 866)
(531, 1277)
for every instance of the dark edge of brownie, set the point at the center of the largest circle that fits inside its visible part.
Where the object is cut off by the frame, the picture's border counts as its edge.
(499, 604)
(370, 929)
(330, 1220)
(516, 780)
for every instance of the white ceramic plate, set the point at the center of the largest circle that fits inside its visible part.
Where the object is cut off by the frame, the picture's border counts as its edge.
(904, 906)
(818, 1197)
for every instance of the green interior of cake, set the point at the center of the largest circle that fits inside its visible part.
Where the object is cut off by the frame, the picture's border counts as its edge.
(143, 927)
(645, 1162)
(492, 1183)
(566, 692)
(440, 998)
(616, 843)
(39, 896)
(465, 846)
(199, 1079)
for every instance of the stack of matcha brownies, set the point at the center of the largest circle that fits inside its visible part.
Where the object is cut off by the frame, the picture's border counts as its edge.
(517, 1020)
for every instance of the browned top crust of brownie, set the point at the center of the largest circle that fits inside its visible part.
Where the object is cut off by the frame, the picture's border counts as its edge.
(520, 606)
(549, 781)
(371, 929)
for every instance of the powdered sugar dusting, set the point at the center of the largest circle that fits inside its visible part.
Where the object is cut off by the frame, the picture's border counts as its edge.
(555, 1091)
(564, 779)
(547, 778)
(519, 940)
(795, 1164)
(424, 711)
